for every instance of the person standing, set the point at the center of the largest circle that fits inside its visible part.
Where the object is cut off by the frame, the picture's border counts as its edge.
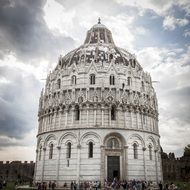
(53, 185)
(160, 186)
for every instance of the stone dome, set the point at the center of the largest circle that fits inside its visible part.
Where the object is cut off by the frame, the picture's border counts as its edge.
(98, 117)
(99, 47)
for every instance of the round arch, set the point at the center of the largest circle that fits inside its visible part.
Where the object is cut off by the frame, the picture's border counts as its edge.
(88, 134)
(48, 138)
(137, 136)
(115, 134)
(65, 135)
(151, 138)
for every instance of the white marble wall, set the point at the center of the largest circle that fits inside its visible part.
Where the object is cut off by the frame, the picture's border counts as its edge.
(81, 167)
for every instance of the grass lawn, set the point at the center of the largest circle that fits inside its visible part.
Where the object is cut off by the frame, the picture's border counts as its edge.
(10, 186)
(181, 185)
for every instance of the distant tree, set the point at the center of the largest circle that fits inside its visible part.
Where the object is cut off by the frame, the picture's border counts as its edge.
(187, 151)
(163, 154)
(171, 155)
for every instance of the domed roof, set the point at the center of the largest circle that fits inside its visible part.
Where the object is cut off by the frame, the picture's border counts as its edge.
(99, 47)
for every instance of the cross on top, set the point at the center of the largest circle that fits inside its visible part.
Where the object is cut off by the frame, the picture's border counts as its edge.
(99, 20)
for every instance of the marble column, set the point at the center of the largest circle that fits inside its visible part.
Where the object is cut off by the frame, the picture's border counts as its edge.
(87, 114)
(55, 116)
(102, 166)
(80, 114)
(95, 108)
(72, 112)
(60, 114)
(58, 164)
(43, 163)
(109, 116)
(66, 115)
(125, 172)
(125, 119)
(131, 117)
(102, 110)
(137, 122)
(144, 162)
(156, 165)
(78, 163)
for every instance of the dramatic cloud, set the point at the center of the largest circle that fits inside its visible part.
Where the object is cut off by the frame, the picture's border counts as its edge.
(170, 23)
(22, 23)
(18, 102)
(173, 90)
(34, 33)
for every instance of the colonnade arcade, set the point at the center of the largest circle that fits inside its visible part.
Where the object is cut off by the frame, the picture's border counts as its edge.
(114, 148)
(98, 115)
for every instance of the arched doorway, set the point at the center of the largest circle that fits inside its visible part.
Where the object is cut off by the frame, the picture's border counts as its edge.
(114, 157)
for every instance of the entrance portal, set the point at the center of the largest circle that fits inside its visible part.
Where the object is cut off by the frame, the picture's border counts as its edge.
(113, 167)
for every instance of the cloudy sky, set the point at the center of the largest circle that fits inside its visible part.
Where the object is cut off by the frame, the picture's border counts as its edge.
(34, 33)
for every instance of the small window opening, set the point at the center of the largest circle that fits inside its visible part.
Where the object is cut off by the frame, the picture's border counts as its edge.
(73, 80)
(113, 113)
(129, 81)
(68, 150)
(58, 83)
(92, 79)
(112, 80)
(150, 152)
(40, 153)
(77, 113)
(135, 151)
(51, 151)
(90, 150)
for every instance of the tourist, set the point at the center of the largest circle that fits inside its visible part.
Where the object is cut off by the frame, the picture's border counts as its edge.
(166, 186)
(53, 185)
(39, 186)
(75, 186)
(4, 183)
(72, 185)
(160, 186)
(49, 185)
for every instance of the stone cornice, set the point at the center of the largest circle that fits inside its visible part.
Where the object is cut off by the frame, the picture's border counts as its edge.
(89, 128)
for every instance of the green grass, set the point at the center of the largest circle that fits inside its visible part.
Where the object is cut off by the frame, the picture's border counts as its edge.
(10, 186)
(182, 185)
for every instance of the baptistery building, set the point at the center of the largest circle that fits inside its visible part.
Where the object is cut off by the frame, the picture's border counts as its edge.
(98, 116)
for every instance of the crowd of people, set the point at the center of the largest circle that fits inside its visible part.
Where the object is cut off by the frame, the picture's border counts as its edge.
(45, 186)
(110, 185)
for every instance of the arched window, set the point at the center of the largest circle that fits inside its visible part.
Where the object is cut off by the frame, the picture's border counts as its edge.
(129, 81)
(77, 113)
(40, 153)
(68, 150)
(113, 143)
(150, 152)
(111, 56)
(133, 63)
(112, 80)
(113, 113)
(73, 80)
(58, 83)
(135, 151)
(92, 79)
(51, 151)
(90, 150)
